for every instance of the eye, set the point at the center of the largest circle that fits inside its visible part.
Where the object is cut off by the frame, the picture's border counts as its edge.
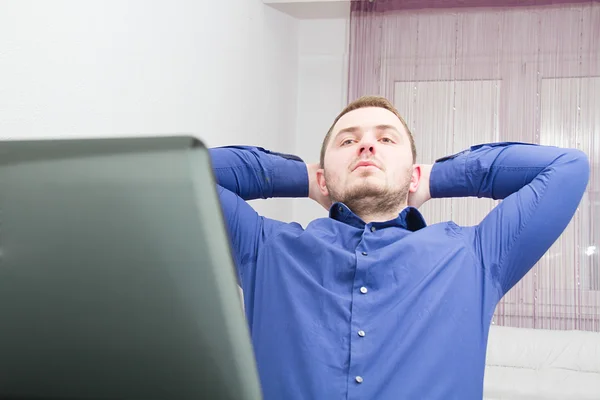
(387, 140)
(346, 142)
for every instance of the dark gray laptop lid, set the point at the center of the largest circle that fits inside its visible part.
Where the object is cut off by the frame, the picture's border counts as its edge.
(116, 277)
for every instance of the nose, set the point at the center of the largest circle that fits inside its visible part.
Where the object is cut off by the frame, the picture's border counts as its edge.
(367, 147)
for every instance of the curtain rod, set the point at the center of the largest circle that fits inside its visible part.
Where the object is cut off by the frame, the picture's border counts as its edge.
(399, 5)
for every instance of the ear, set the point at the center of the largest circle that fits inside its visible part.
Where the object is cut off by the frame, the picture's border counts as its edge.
(321, 182)
(415, 178)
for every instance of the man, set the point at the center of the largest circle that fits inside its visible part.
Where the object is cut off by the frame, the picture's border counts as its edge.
(371, 303)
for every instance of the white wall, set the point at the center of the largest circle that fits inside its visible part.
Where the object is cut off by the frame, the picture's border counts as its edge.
(276, 79)
(322, 89)
(70, 68)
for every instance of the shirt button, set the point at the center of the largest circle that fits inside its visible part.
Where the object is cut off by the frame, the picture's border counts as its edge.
(358, 379)
(361, 333)
(364, 253)
(363, 290)
(373, 229)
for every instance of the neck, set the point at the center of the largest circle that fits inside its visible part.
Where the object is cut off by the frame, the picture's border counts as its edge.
(373, 210)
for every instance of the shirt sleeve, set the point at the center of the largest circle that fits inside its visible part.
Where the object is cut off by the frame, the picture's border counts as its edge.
(256, 173)
(541, 188)
(247, 231)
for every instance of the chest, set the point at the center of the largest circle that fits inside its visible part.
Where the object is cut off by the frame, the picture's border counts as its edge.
(381, 273)
(392, 258)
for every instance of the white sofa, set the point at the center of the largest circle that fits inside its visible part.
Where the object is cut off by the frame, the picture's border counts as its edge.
(536, 364)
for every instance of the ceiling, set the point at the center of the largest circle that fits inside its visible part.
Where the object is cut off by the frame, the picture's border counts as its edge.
(315, 9)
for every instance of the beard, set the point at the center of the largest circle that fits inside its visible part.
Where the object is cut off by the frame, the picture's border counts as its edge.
(368, 198)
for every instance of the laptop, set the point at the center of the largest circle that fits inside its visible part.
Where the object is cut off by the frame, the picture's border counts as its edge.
(116, 275)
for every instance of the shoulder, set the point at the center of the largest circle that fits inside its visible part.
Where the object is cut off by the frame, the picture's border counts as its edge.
(446, 232)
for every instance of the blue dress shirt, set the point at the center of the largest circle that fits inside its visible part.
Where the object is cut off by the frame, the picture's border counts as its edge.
(395, 309)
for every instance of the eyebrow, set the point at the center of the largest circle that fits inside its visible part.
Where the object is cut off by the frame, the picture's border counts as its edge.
(354, 129)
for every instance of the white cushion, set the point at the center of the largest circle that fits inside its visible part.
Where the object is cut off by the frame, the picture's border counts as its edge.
(542, 364)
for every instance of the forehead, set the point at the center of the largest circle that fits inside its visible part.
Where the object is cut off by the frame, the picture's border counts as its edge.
(368, 117)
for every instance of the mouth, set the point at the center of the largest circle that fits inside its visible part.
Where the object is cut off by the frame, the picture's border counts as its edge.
(365, 164)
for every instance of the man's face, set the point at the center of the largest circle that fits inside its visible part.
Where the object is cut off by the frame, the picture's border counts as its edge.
(368, 159)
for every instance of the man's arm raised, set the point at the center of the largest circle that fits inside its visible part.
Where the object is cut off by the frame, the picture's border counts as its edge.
(541, 188)
(256, 173)
(247, 173)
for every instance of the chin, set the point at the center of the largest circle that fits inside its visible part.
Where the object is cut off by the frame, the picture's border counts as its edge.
(369, 181)
(366, 189)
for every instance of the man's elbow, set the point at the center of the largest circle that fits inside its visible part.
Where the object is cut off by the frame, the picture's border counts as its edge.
(582, 165)
(578, 165)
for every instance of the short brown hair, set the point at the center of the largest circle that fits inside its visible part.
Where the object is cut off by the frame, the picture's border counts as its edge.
(369, 101)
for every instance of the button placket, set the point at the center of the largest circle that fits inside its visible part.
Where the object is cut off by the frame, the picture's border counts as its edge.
(358, 319)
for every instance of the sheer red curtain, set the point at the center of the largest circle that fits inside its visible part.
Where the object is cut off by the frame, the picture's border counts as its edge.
(473, 71)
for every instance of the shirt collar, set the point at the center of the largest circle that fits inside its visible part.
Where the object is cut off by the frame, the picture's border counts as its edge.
(410, 218)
